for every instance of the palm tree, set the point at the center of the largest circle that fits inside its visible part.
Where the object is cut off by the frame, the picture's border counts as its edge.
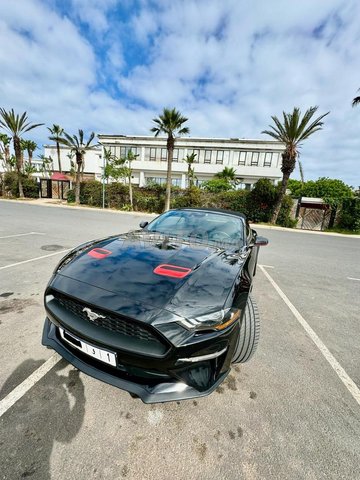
(56, 133)
(5, 148)
(301, 170)
(191, 177)
(171, 123)
(356, 100)
(228, 174)
(30, 147)
(16, 125)
(130, 157)
(291, 133)
(78, 146)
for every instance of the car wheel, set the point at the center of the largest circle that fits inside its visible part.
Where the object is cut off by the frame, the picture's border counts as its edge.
(249, 333)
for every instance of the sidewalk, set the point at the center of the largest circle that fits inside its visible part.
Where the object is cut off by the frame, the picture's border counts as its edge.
(48, 202)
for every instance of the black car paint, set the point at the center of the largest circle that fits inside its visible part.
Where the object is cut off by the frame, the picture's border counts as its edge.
(123, 283)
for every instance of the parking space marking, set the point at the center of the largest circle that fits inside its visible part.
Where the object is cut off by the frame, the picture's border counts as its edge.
(28, 383)
(268, 266)
(341, 373)
(34, 259)
(352, 278)
(22, 234)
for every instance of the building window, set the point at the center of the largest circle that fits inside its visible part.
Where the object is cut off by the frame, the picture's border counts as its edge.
(220, 156)
(242, 158)
(124, 150)
(176, 182)
(163, 154)
(207, 158)
(176, 155)
(254, 159)
(268, 159)
(152, 154)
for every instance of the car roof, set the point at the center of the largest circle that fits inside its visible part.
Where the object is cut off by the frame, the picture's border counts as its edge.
(214, 210)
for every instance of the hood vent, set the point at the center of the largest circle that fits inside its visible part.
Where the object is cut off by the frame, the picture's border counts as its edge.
(172, 271)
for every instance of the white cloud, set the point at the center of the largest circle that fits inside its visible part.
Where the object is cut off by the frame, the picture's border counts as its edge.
(227, 65)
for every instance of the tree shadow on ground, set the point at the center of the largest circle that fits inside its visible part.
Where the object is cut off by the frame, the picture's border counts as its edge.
(52, 410)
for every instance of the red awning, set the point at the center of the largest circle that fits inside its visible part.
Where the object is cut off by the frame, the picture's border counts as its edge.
(59, 176)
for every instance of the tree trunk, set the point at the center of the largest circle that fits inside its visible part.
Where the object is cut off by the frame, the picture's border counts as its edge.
(278, 203)
(58, 155)
(77, 180)
(170, 151)
(18, 156)
(30, 156)
(131, 193)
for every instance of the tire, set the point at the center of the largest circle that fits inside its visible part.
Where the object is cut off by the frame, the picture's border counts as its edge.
(249, 333)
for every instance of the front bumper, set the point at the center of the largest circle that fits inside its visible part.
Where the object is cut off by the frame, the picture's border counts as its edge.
(152, 387)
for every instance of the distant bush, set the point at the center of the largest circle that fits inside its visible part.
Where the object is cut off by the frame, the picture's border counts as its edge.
(216, 185)
(349, 216)
(11, 185)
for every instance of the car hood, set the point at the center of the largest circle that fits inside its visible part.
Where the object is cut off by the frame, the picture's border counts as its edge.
(126, 266)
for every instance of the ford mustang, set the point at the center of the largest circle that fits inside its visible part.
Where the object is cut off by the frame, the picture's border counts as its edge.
(161, 312)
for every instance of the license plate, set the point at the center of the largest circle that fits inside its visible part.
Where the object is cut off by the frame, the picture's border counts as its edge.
(95, 352)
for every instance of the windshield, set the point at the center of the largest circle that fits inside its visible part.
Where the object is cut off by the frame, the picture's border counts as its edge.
(206, 227)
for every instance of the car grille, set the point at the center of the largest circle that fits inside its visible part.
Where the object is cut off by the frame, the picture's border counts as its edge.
(115, 323)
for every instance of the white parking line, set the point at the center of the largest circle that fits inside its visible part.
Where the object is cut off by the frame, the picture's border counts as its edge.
(22, 234)
(34, 259)
(344, 377)
(267, 266)
(29, 382)
(352, 278)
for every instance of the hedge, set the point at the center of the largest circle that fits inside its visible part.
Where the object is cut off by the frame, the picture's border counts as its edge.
(11, 185)
(256, 204)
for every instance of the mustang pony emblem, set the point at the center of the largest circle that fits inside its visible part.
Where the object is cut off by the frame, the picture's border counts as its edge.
(92, 315)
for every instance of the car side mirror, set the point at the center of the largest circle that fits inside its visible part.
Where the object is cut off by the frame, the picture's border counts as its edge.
(143, 224)
(261, 242)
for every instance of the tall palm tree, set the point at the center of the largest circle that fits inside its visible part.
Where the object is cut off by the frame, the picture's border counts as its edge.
(356, 100)
(191, 177)
(78, 146)
(130, 157)
(30, 146)
(301, 170)
(5, 148)
(170, 122)
(56, 133)
(291, 133)
(16, 125)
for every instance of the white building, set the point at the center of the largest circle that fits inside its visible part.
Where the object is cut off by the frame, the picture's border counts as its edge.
(251, 159)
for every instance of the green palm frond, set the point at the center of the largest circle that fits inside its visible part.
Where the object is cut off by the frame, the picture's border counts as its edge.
(356, 100)
(295, 128)
(16, 124)
(170, 122)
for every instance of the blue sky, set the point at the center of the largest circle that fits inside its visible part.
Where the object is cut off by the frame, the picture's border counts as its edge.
(112, 65)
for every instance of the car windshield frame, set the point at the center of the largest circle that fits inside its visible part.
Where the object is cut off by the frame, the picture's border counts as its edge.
(217, 228)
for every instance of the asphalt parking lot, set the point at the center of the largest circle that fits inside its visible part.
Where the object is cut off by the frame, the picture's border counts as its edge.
(293, 412)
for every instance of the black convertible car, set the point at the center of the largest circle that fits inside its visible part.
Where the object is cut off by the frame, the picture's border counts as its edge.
(162, 312)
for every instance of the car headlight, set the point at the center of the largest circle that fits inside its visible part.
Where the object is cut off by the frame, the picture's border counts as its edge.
(218, 320)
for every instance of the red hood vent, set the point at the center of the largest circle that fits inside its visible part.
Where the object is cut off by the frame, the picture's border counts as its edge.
(172, 271)
(99, 253)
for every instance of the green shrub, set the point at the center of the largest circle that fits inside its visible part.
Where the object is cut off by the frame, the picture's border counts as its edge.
(11, 185)
(349, 217)
(216, 185)
(257, 204)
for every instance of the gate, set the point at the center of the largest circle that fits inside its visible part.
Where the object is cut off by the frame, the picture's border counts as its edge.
(314, 218)
(54, 188)
(45, 188)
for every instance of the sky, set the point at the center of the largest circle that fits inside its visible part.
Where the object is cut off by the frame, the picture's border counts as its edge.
(111, 66)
